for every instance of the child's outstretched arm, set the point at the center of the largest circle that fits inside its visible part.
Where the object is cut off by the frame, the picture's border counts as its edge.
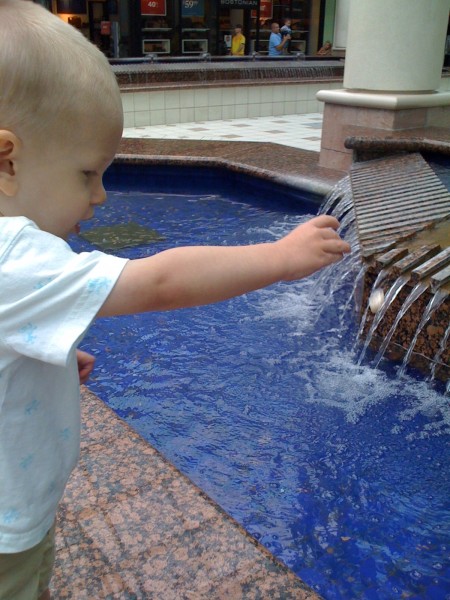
(195, 275)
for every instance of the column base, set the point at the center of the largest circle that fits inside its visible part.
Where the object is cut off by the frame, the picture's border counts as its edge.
(350, 113)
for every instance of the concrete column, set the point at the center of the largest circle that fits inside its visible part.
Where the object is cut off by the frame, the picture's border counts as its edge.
(393, 66)
(396, 45)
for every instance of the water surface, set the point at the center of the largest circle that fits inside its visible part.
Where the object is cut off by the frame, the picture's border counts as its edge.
(340, 470)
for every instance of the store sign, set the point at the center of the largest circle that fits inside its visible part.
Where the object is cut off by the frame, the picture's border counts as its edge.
(105, 28)
(240, 3)
(192, 8)
(265, 11)
(153, 7)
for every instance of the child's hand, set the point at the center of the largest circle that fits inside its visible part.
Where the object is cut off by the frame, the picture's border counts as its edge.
(312, 246)
(85, 365)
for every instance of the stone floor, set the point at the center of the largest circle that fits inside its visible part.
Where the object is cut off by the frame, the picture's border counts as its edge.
(132, 526)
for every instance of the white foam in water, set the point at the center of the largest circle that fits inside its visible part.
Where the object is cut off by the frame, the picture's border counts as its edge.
(354, 389)
(340, 382)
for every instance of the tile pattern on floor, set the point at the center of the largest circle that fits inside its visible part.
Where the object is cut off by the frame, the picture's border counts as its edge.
(297, 131)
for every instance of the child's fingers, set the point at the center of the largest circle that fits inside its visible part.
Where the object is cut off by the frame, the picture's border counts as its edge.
(326, 221)
(336, 246)
(334, 241)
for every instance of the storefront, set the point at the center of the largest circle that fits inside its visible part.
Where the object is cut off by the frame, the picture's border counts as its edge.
(125, 28)
(195, 27)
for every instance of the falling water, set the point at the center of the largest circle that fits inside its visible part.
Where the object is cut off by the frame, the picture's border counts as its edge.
(413, 296)
(390, 297)
(440, 352)
(355, 295)
(339, 277)
(380, 278)
(433, 304)
(347, 221)
(340, 191)
(343, 207)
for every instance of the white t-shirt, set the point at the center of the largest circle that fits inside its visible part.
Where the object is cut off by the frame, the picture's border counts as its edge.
(49, 296)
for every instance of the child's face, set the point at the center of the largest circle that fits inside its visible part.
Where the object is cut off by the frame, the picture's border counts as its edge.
(61, 183)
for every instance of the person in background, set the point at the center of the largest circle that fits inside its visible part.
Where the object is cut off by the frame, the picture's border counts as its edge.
(238, 42)
(325, 50)
(61, 121)
(286, 30)
(277, 42)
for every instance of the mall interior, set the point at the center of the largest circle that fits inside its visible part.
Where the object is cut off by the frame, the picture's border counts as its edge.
(189, 28)
(132, 524)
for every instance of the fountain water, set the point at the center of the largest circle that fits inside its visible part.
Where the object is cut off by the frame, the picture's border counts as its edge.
(169, 71)
(432, 306)
(416, 293)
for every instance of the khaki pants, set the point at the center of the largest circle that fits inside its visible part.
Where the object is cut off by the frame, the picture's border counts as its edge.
(26, 575)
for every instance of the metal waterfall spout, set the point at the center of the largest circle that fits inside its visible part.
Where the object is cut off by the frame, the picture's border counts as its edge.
(397, 213)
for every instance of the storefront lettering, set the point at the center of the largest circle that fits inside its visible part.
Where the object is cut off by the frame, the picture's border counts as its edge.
(240, 3)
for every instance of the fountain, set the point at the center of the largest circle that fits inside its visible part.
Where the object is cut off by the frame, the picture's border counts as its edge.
(401, 212)
(376, 129)
(160, 71)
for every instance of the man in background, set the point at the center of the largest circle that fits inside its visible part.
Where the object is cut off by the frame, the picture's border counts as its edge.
(276, 41)
(238, 42)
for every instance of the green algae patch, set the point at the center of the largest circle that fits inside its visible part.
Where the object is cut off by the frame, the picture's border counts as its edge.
(127, 235)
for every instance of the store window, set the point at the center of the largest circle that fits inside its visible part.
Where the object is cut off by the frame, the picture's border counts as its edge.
(195, 27)
(298, 11)
(234, 13)
(157, 27)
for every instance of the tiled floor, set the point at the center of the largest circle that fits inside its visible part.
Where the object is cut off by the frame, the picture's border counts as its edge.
(297, 131)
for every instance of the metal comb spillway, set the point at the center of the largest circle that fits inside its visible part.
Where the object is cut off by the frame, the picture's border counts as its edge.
(394, 198)
(402, 218)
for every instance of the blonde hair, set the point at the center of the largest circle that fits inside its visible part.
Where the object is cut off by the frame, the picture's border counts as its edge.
(50, 74)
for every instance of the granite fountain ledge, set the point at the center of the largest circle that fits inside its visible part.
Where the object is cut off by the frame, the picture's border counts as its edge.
(291, 167)
(132, 526)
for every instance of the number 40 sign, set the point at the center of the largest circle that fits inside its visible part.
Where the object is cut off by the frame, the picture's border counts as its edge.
(153, 7)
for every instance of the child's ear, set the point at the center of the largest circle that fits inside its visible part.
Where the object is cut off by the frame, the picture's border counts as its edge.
(9, 150)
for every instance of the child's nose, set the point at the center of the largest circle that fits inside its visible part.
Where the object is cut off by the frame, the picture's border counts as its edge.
(99, 196)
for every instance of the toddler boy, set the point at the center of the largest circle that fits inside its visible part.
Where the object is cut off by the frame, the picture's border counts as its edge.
(60, 125)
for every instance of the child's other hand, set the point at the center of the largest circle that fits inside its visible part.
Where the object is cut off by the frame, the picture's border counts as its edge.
(312, 246)
(85, 365)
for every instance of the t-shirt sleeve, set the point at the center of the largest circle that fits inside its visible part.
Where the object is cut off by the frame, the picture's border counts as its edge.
(50, 294)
